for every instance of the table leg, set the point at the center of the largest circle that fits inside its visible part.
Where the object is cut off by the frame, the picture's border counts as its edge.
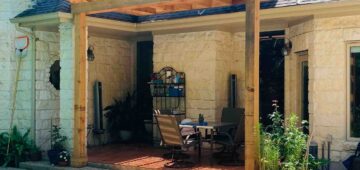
(212, 146)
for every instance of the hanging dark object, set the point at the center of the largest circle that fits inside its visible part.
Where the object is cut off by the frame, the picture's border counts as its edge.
(287, 47)
(55, 74)
(90, 53)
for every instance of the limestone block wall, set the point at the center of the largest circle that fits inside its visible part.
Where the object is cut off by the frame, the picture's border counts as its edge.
(113, 68)
(329, 74)
(206, 58)
(301, 35)
(224, 59)
(238, 66)
(325, 39)
(22, 118)
(47, 97)
(195, 54)
(67, 75)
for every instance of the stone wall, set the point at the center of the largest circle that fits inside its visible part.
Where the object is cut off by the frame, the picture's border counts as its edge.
(207, 58)
(238, 66)
(325, 39)
(67, 75)
(301, 36)
(23, 115)
(224, 59)
(330, 80)
(47, 97)
(113, 68)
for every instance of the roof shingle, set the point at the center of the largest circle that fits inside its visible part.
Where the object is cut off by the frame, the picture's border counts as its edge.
(50, 6)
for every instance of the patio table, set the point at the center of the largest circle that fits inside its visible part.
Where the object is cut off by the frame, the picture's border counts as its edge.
(212, 126)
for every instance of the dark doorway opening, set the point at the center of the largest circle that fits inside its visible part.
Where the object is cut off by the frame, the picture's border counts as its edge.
(304, 94)
(271, 73)
(143, 74)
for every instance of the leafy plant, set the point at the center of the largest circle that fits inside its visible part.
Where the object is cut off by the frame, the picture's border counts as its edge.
(34, 148)
(124, 114)
(285, 147)
(16, 151)
(270, 153)
(57, 140)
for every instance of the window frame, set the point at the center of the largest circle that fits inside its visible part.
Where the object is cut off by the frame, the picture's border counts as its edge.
(348, 90)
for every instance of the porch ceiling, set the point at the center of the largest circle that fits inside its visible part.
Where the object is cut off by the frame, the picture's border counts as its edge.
(147, 7)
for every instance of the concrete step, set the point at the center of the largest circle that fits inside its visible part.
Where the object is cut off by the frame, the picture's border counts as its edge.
(45, 165)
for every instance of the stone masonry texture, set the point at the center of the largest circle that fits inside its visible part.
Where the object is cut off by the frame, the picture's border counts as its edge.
(8, 33)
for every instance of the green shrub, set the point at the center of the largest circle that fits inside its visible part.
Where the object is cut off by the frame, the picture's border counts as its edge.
(19, 146)
(285, 147)
(57, 140)
(270, 154)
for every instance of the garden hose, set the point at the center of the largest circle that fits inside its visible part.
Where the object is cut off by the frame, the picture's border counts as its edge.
(14, 94)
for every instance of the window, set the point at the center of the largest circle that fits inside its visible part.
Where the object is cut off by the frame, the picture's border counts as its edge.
(354, 91)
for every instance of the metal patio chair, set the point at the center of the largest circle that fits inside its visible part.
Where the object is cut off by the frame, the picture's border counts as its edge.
(231, 139)
(171, 137)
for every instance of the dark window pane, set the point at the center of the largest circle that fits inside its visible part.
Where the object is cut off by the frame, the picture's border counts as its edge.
(355, 92)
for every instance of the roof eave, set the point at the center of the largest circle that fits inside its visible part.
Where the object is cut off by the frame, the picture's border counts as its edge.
(42, 19)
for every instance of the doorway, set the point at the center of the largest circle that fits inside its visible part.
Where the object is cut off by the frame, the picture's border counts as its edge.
(271, 74)
(303, 101)
(144, 63)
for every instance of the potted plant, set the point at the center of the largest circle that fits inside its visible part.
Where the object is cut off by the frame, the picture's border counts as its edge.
(57, 145)
(35, 153)
(64, 158)
(123, 118)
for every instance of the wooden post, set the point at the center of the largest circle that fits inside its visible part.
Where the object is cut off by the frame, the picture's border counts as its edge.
(79, 156)
(252, 148)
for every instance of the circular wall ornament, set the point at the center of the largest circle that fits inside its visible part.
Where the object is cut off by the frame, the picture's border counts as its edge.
(55, 74)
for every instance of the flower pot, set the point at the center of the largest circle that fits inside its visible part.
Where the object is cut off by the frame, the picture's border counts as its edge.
(53, 155)
(125, 135)
(63, 163)
(35, 156)
(148, 126)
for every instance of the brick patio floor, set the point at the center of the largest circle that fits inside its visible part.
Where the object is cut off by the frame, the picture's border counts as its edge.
(139, 157)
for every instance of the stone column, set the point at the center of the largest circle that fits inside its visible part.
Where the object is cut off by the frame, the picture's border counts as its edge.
(8, 65)
(67, 72)
(5, 65)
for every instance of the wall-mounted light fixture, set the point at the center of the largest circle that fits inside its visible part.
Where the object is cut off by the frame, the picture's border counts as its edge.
(287, 47)
(90, 53)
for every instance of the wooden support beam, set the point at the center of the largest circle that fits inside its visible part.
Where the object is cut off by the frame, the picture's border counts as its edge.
(79, 156)
(252, 146)
(108, 5)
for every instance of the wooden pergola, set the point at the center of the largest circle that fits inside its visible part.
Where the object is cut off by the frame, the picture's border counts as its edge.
(80, 8)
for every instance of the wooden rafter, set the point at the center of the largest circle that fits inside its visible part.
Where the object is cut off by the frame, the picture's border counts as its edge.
(146, 7)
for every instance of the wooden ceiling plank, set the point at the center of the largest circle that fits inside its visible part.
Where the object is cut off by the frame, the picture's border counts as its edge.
(182, 7)
(202, 4)
(146, 7)
(150, 10)
(218, 3)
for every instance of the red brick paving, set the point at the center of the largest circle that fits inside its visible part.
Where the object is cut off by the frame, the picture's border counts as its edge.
(145, 157)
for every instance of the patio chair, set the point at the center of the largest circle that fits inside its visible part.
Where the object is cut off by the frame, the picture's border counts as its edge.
(231, 139)
(171, 137)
